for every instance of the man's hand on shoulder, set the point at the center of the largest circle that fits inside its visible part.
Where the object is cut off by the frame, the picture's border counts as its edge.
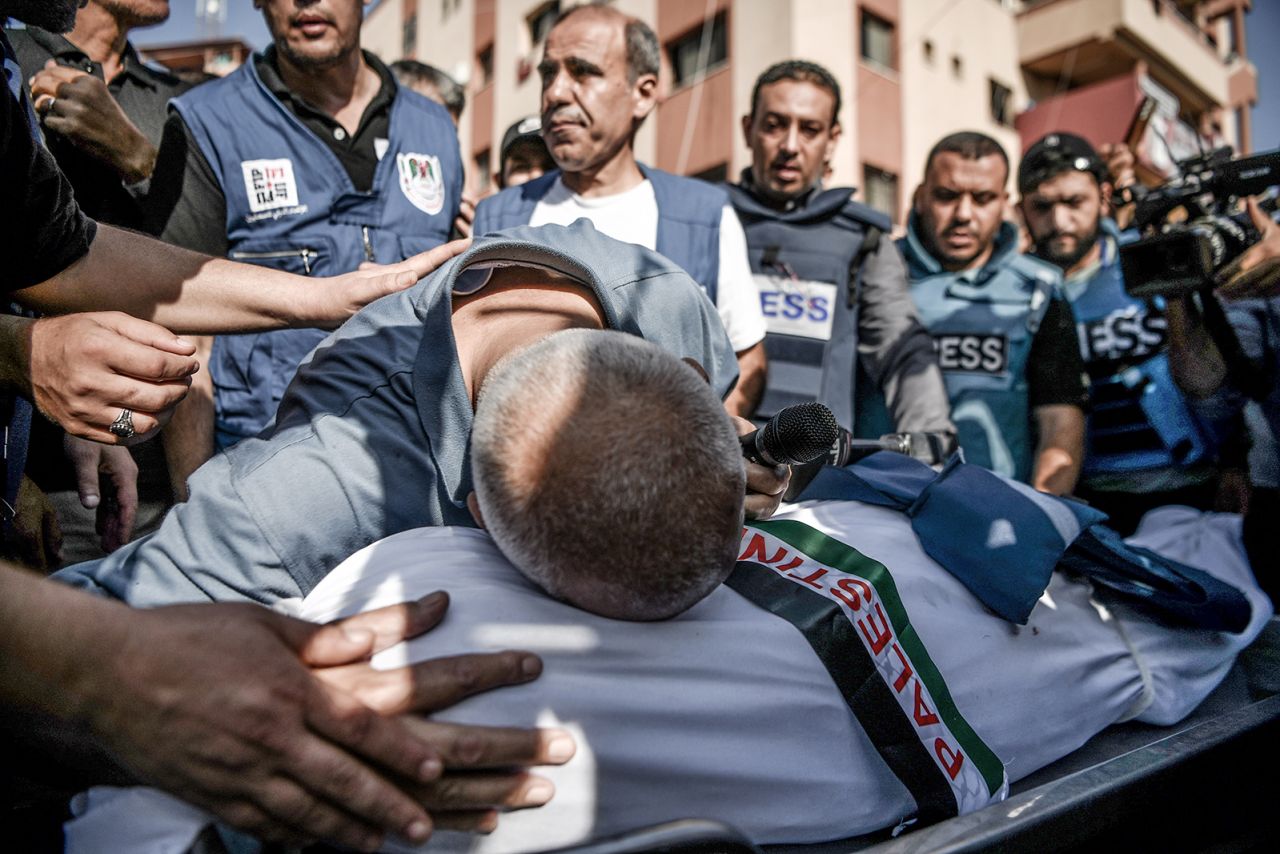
(344, 295)
(83, 369)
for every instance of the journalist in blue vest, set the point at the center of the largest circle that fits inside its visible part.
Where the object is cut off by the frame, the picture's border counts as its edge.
(308, 158)
(832, 286)
(1004, 336)
(1144, 446)
(599, 73)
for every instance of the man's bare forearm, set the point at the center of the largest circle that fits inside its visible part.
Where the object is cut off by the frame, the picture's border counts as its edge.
(189, 435)
(752, 372)
(1060, 449)
(1194, 359)
(183, 291)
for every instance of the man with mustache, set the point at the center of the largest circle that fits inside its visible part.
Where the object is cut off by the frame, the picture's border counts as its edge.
(599, 74)
(1134, 462)
(833, 294)
(1004, 336)
(308, 158)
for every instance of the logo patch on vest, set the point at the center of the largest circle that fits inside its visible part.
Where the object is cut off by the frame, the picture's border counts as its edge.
(269, 184)
(796, 306)
(981, 354)
(1130, 333)
(421, 181)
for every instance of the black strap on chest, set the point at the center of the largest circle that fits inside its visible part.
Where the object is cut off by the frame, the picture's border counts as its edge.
(835, 641)
(870, 243)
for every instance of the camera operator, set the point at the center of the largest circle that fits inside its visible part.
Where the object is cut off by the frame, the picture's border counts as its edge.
(1252, 282)
(1145, 447)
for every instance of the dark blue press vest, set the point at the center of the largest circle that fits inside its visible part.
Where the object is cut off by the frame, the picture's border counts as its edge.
(983, 325)
(802, 261)
(292, 206)
(1138, 419)
(689, 214)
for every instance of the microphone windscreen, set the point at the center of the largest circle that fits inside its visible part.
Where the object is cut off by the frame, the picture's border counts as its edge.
(799, 433)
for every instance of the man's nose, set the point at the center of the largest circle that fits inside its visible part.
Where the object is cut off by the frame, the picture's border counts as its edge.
(791, 140)
(1062, 219)
(557, 91)
(964, 209)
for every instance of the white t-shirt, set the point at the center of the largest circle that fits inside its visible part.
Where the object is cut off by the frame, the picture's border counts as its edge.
(726, 713)
(632, 216)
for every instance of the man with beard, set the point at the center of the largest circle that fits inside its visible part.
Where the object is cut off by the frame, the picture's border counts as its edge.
(308, 158)
(1145, 448)
(1004, 336)
(834, 294)
(103, 112)
(599, 73)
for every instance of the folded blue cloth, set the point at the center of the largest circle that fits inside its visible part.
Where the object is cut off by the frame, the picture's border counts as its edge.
(1003, 540)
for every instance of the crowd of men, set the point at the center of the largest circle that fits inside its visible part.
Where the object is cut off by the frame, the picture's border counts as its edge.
(315, 179)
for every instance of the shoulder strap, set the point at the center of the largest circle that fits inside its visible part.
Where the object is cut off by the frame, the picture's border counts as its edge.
(870, 243)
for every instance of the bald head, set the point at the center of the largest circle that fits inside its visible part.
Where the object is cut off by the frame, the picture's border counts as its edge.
(609, 473)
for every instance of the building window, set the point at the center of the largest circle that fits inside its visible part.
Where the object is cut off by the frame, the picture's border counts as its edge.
(880, 189)
(409, 36)
(927, 47)
(1001, 104)
(484, 59)
(699, 51)
(484, 172)
(448, 7)
(878, 41)
(957, 67)
(542, 20)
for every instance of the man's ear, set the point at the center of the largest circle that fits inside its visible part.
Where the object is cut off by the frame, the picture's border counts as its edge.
(746, 129)
(473, 504)
(645, 94)
(916, 198)
(697, 366)
(829, 151)
(1105, 190)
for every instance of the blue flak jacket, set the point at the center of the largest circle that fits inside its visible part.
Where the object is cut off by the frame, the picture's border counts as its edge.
(802, 259)
(689, 213)
(1139, 421)
(292, 206)
(983, 323)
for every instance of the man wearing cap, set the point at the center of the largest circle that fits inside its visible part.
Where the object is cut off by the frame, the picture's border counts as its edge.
(833, 292)
(524, 154)
(1004, 336)
(599, 82)
(1145, 447)
(308, 158)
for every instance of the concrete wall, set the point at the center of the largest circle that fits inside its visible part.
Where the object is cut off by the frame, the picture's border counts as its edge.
(938, 99)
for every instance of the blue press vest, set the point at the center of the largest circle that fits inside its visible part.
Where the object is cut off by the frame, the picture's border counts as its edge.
(982, 325)
(801, 260)
(1139, 420)
(689, 214)
(292, 206)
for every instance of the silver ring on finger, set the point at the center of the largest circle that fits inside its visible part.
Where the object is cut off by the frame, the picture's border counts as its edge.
(47, 106)
(123, 425)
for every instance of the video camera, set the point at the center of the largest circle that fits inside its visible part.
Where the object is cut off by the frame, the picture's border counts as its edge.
(1186, 254)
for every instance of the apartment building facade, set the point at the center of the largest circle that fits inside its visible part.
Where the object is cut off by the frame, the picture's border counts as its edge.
(911, 71)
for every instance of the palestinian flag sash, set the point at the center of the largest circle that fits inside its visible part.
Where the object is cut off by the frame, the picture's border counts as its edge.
(848, 608)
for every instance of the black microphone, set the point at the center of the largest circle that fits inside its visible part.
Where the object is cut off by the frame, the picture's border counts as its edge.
(797, 434)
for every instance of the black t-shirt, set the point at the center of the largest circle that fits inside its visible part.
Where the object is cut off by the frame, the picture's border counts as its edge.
(42, 229)
(1055, 368)
(187, 206)
(143, 94)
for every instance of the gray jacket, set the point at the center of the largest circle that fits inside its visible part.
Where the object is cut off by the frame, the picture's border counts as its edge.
(372, 436)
